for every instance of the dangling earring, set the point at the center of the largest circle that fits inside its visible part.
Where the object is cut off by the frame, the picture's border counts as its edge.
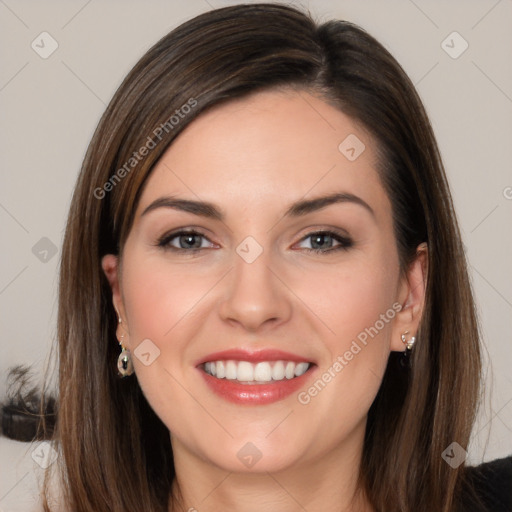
(409, 343)
(124, 361)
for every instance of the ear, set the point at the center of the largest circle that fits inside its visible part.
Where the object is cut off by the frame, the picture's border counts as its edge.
(411, 297)
(111, 267)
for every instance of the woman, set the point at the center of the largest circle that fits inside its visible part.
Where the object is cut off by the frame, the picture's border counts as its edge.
(262, 244)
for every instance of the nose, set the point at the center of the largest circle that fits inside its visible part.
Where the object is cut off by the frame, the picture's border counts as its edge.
(256, 297)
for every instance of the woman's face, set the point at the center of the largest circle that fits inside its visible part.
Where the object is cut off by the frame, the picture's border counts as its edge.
(271, 274)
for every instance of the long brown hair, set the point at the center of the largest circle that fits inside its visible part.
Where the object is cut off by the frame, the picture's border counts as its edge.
(116, 453)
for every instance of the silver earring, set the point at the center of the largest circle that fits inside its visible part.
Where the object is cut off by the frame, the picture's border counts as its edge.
(124, 361)
(409, 343)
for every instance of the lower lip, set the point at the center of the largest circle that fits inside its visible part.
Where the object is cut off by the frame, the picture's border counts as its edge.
(255, 394)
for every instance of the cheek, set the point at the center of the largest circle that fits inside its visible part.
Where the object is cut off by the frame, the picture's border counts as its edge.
(161, 303)
(356, 304)
(350, 298)
(158, 297)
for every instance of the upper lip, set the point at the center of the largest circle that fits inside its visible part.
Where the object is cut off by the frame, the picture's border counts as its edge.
(253, 356)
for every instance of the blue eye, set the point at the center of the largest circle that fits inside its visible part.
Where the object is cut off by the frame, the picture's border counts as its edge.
(322, 242)
(192, 241)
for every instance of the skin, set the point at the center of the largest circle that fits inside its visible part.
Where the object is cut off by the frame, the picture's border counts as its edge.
(253, 158)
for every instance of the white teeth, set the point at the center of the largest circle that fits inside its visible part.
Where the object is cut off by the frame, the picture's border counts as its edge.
(231, 368)
(262, 372)
(290, 370)
(265, 371)
(278, 371)
(245, 371)
(300, 369)
(220, 369)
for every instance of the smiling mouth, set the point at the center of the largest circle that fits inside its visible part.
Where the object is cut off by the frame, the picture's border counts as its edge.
(263, 372)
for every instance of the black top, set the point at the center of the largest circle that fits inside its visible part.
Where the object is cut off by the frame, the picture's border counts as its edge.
(492, 482)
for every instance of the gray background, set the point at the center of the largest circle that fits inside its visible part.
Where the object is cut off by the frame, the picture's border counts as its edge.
(51, 106)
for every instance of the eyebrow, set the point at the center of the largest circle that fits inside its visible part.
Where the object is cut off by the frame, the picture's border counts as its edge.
(298, 209)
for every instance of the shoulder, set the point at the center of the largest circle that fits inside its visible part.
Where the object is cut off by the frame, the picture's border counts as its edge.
(488, 487)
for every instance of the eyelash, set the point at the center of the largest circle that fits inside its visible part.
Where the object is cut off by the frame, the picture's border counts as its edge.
(345, 242)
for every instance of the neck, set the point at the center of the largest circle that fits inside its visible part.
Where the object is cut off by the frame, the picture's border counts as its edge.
(328, 482)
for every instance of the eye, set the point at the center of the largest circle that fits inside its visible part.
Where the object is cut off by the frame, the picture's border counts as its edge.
(185, 241)
(324, 241)
(192, 241)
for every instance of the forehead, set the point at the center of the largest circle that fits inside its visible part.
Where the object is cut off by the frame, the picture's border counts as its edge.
(266, 149)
